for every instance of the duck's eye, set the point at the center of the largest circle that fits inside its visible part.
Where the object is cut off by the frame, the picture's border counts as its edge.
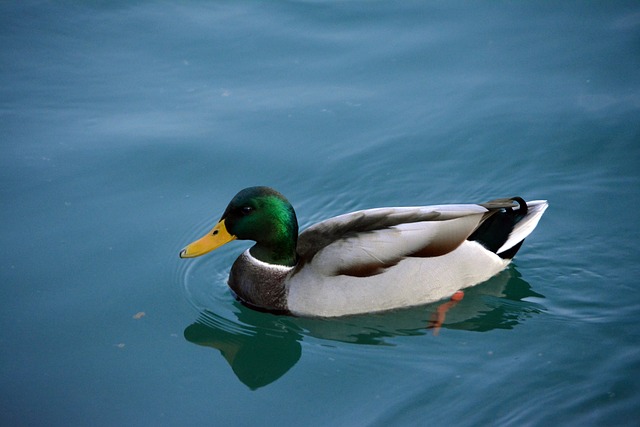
(246, 210)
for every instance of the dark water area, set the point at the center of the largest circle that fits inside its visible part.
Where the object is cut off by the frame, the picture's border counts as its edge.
(126, 127)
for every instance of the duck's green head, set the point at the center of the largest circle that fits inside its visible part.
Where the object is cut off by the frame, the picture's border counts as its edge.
(260, 214)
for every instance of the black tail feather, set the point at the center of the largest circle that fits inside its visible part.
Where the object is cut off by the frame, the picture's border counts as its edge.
(494, 231)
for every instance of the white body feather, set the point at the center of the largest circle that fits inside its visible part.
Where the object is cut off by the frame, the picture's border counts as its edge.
(414, 281)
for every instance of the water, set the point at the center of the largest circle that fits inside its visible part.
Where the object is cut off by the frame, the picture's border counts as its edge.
(127, 127)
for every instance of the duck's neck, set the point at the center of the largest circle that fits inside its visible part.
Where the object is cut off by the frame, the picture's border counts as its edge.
(284, 253)
(279, 246)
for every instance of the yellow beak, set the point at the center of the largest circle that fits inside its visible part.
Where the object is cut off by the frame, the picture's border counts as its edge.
(213, 240)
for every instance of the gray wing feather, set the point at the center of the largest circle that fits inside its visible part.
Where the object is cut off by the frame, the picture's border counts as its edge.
(318, 236)
(369, 230)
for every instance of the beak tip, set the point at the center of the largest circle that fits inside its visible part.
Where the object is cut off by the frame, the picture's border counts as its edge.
(183, 253)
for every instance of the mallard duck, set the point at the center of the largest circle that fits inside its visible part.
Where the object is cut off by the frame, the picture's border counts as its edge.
(366, 261)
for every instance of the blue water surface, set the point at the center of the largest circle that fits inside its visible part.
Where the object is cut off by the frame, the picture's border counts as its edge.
(126, 127)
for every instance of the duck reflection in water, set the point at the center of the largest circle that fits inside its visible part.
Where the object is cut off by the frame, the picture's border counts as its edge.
(262, 347)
